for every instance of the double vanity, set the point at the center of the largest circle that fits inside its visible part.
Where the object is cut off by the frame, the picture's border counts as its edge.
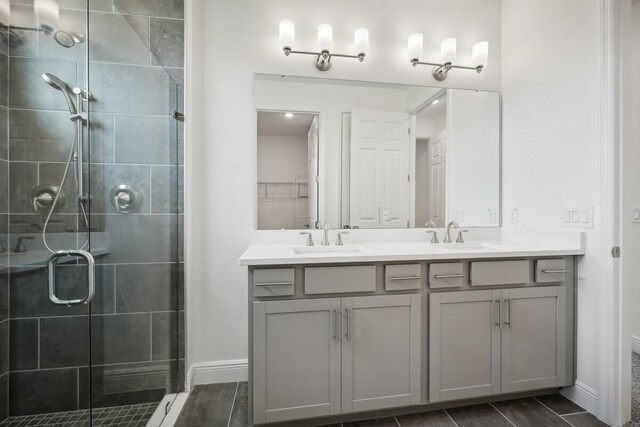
(368, 326)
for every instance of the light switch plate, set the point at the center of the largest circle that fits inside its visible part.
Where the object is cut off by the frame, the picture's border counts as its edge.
(514, 216)
(491, 215)
(635, 215)
(577, 217)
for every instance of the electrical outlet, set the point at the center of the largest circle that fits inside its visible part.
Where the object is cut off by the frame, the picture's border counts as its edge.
(577, 217)
(635, 215)
(514, 216)
(491, 216)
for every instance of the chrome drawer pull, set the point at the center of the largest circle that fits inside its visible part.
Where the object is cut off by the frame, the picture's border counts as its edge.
(448, 276)
(273, 283)
(405, 278)
(555, 271)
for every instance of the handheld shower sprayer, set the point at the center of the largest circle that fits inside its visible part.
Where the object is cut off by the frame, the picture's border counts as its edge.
(58, 84)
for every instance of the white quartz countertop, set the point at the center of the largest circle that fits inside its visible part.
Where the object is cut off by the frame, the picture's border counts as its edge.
(287, 254)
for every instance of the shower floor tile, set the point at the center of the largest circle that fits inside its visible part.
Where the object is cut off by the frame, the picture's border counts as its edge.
(129, 415)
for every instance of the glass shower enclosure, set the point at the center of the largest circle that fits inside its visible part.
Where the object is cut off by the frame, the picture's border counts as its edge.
(91, 211)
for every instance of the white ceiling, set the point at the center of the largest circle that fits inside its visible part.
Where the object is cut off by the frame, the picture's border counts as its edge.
(434, 110)
(276, 124)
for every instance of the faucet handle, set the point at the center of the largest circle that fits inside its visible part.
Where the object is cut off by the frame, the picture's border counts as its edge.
(339, 241)
(434, 236)
(460, 239)
(309, 238)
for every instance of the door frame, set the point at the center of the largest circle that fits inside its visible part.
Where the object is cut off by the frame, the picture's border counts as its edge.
(614, 332)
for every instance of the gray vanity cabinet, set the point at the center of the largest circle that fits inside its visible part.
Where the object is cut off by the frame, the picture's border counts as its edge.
(496, 341)
(464, 345)
(533, 338)
(380, 352)
(296, 359)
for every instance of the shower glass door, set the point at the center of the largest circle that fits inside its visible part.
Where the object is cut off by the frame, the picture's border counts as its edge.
(91, 163)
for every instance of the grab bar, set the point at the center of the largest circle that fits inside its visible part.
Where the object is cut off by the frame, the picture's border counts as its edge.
(91, 266)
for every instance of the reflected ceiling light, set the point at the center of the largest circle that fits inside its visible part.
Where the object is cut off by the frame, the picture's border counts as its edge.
(47, 13)
(435, 102)
(288, 115)
(5, 12)
(448, 54)
(325, 44)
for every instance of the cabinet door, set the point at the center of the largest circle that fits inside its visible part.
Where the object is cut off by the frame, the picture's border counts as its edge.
(296, 359)
(533, 338)
(464, 344)
(380, 352)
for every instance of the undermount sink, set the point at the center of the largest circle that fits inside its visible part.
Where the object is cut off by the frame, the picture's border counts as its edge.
(310, 250)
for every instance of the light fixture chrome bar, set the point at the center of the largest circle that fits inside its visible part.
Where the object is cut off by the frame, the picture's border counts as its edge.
(440, 70)
(323, 59)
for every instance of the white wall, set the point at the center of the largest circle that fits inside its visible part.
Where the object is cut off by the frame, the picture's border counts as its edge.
(281, 158)
(551, 136)
(632, 173)
(473, 157)
(234, 40)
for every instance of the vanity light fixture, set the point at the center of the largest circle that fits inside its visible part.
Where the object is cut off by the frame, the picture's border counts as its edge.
(325, 44)
(448, 51)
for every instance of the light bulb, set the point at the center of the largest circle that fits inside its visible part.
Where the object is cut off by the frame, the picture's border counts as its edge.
(325, 38)
(288, 115)
(287, 34)
(480, 54)
(47, 13)
(415, 46)
(448, 51)
(361, 41)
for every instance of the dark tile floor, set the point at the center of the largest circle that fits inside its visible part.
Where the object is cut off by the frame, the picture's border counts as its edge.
(225, 405)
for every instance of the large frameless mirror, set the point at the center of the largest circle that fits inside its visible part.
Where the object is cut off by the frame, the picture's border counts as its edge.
(375, 155)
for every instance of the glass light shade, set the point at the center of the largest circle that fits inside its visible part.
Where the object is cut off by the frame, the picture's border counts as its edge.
(5, 12)
(448, 51)
(480, 54)
(361, 41)
(47, 13)
(415, 46)
(325, 37)
(287, 34)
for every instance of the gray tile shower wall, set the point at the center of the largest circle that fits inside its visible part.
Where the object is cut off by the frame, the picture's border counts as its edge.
(136, 320)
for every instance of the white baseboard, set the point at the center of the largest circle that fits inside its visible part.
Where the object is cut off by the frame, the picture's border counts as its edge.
(635, 343)
(223, 371)
(582, 395)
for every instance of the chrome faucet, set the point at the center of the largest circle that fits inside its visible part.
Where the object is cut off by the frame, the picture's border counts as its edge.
(20, 247)
(309, 237)
(430, 224)
(339, 241)
(325, 239)
(447, 237)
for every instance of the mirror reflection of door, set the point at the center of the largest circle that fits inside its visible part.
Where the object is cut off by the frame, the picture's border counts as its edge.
(287, 170)
(380, 187)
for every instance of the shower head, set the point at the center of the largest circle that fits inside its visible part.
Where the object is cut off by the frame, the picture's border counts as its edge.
(56, 83)
(66, 39)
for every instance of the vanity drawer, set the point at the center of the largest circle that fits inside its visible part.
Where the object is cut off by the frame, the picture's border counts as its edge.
(273, 282)
(551, 270)
(446, 275)
(402, 277)
(487, 273)
(336, 280)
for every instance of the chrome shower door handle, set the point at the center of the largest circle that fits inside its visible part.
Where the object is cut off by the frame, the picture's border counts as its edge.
(91, 286)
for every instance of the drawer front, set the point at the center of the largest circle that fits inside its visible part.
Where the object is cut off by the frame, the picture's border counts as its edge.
(335, 280)
(551, 270)
(487, 273)
(273, 282)
(446, 275)
(402, 277)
